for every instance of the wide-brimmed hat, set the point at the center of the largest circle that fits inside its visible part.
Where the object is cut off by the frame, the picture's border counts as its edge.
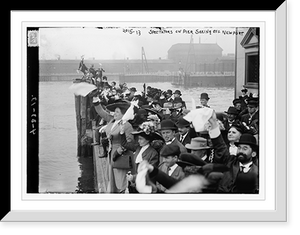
(204, 96)
(122, 104)
(189, 159)
(168, 105)
(198, 143)
(150, 110)
(168, 124)
(247, 139)
(182, 123)
(151, 136)
(147, 130)
(232, 110)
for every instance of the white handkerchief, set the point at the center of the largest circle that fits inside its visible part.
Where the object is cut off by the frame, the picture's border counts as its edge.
(140, 182)
(199, 118)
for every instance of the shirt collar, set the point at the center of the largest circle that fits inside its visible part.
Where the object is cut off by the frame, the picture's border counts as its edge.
(248, 165)
(169, 142)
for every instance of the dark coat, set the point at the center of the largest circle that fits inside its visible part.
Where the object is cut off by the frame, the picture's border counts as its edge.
(150, 154)
(228, 183)
(187, 139)
(246, 118)
(177, 174)
(162, 178)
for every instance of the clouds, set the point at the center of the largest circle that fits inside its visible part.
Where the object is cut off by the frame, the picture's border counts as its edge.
(115, 43)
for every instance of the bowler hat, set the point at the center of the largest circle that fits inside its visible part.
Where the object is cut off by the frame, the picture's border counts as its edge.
(189, 159)
(247, 139)
(169, 91)
(204, 96)
(236, 101)
(232, 110)
(198, 143)
(252, 102)
(168, 124)
(177, 92)
(182, 123)
(170, 150)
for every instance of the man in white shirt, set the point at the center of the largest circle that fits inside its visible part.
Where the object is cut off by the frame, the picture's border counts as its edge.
(168, 129)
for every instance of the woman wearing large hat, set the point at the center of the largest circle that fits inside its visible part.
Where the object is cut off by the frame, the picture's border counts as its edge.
(116, 177)
(143, 150)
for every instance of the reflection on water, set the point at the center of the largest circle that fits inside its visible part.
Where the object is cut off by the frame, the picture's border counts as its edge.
(60, 168)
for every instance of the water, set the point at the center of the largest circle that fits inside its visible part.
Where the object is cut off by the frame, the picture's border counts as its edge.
(60, 168)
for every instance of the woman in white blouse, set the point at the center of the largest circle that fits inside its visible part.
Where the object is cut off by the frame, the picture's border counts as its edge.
(143, 151)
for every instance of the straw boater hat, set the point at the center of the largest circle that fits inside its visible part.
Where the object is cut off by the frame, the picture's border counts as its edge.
(198, 143)
(167, 105)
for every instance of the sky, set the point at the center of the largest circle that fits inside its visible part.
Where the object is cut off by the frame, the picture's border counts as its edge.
(121, 43)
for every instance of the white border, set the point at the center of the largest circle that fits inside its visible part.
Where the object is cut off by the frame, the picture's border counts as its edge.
(158, 210)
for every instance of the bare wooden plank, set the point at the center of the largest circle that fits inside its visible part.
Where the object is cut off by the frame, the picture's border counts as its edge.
(99, 167)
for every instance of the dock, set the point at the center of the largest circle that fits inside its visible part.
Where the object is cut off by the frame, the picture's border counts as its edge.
(189, 80)
(85, 137)
(99, 167)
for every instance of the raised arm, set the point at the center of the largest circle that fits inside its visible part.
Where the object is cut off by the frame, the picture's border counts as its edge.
(102, 113)
(221, 151)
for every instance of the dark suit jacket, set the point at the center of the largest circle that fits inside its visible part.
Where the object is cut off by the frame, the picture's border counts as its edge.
(246, 118)
(228, 182)
(187, 139)
(177, 174)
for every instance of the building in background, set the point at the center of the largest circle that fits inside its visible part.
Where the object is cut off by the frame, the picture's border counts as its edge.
(247, 61)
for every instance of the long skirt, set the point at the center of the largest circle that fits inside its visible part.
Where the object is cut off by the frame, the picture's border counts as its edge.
(117, 181)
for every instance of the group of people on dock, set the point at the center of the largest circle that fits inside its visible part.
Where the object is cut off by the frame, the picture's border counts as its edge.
(165, 148)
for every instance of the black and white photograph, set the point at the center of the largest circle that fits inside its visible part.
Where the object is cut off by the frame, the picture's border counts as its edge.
(148, 116)
(145, 110)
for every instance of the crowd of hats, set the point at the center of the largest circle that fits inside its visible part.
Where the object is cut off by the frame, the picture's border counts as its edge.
(151, 96)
